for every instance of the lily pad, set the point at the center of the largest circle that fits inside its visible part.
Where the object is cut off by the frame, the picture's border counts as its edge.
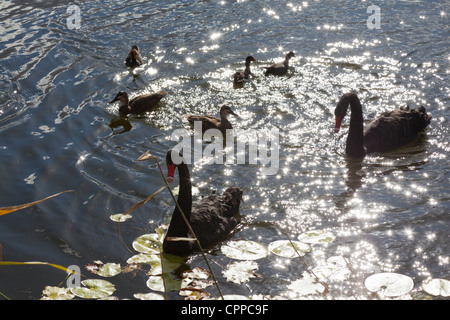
(285, 248)
(389, 284)
(307, 285)
(148, 243)
(148, 296)
(56, 293)
(156, 283)
(244, 250)
(437, 287)
(109, 270)
(316, 237)
(120, 217)
(334, 269)
(170, 262)
(239, 272)
(94, 289)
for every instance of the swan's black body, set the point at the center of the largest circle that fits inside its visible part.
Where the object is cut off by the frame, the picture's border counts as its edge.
(389, 131)
(281, 68)
(211, 218)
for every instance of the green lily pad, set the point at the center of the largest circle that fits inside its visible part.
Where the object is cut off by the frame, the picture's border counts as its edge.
(56, 293)
(285, 248)
(244, 250)
(239, 272)
(316, 237)
(94, 289)
(148, 296)
(389, 284)
(156, 283)
(109, 270)
(437, 287)
(120, 217)
(170, 262)
(148, 243)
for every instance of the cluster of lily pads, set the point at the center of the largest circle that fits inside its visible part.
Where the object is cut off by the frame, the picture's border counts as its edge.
(244, 255)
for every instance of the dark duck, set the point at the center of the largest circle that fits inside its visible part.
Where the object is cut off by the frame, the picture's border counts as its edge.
(134, 58)
(281, 68)
(210, 122)
(241, 76)
(389, 131)
(139, 104)
(212, 218)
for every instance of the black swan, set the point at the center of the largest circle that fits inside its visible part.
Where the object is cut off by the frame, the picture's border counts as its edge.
(212, 218)
(240, 76)
(279, 69)
(134, 58)
(387, 132)
(210, 122)
(139, 104)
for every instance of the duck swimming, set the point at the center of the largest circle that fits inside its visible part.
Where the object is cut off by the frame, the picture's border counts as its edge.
(390, 130)
(240, 76)
(210, 122)
(212, 218)
(134, 58)
(281, 68)
(139, 104)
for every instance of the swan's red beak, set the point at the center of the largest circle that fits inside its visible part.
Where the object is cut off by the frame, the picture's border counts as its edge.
(170, 172)
(338, 124)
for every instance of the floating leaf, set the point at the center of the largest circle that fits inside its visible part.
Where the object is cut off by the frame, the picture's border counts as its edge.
(197, 273)
(170, 262)
(56, 293)
(390, 284)
(239, 272)
(109, 270)
(148, 296)
(148, 243)
(307, 285)
(156, 283)
(96, 288)
(316, 237)
(244, 250)
(437, 287)
(120, 217)
(285, 249)
(334, 269)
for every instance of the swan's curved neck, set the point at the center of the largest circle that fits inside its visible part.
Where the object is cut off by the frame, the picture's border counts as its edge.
(178, 227)
(355, 139)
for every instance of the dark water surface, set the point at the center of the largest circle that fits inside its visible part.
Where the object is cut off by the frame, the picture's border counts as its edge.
(389, 212)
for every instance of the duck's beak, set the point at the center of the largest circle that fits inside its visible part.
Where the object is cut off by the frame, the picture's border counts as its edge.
(114, 100)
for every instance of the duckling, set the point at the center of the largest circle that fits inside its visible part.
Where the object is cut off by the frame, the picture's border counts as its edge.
(210, 122)
(139, 104)
(134, 58)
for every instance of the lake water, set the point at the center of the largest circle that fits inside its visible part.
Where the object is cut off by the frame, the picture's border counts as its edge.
(388, 212)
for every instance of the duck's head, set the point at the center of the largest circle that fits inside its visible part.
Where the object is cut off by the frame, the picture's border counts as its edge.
(134, 50)
(290, 54)
(173, 160)
(122, 97)
(227, 110)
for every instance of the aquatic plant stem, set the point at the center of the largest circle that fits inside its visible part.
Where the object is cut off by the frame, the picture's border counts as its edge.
(147, 156)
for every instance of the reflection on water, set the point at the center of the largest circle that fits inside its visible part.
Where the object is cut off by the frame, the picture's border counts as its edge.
(388, 212)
